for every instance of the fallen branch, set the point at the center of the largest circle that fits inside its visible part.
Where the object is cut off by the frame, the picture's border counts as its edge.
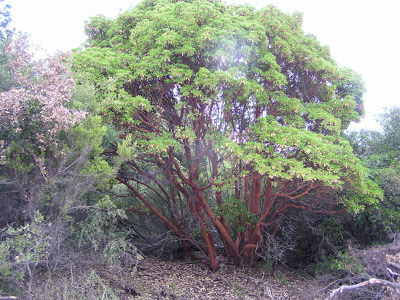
(371, 281)
(394, 265)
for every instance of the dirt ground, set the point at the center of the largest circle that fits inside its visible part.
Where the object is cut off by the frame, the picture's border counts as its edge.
(159, 279)
(155, 278)
(165, 279)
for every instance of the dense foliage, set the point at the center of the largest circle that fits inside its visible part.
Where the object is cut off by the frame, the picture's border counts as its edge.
(228, 115)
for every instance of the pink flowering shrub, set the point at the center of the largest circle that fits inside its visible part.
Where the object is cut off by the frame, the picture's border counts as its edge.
(45, 84)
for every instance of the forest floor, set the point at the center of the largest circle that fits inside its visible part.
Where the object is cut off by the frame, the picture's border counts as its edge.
(155, 278)
(179, 279)
(160, 279)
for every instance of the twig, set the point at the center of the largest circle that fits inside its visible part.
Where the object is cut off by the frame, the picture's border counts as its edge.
(393, 273)
(262, 279)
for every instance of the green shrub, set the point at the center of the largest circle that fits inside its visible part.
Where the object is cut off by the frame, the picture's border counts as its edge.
(22, 249)
(339, 266)
(100, 233)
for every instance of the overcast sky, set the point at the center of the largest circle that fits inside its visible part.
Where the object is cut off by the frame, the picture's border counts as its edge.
(362, 35)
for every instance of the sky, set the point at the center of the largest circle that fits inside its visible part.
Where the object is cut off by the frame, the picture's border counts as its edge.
(362, 35)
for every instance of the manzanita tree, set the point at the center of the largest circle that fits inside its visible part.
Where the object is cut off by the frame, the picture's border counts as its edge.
(227, 112)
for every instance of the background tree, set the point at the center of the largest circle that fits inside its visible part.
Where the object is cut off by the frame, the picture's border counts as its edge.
(379, 150)
(5, 34)
(5, 19)
(228, 113)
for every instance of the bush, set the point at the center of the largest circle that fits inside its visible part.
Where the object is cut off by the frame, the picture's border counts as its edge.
(22, 249)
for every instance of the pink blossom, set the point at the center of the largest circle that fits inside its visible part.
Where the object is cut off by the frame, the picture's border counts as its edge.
(47, 82)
